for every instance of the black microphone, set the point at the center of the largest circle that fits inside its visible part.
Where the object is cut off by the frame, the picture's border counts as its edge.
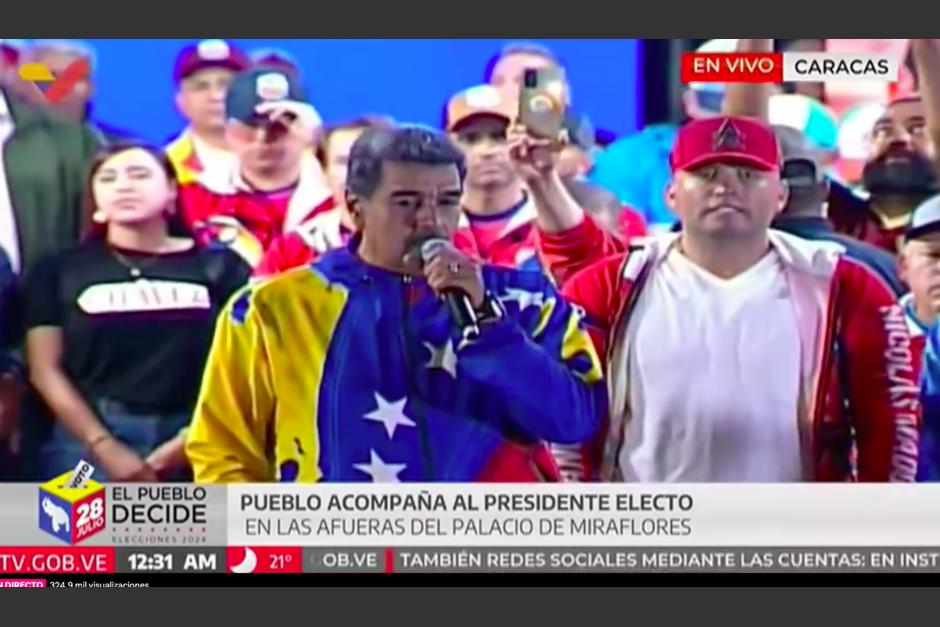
(458, 301)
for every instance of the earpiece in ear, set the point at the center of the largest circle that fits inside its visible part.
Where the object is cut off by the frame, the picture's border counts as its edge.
(99, 217)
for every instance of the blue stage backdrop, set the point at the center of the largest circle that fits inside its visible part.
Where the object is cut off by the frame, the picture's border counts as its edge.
(409, 79)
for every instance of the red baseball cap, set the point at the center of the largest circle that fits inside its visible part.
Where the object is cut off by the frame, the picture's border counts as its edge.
(725, 139)
(208, 53)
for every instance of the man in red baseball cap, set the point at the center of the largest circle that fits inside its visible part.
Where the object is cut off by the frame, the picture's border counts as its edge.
(735, 352)
(202, 74)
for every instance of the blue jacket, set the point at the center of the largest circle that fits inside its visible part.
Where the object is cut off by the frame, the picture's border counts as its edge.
(929, 459)
(341, 371)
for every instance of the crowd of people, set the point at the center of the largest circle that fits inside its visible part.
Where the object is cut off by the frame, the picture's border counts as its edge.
(276, 297)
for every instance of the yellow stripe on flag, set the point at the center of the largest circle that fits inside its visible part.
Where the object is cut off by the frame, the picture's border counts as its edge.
(34, 72)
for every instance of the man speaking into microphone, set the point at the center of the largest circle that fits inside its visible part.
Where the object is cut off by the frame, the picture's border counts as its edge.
(396, 358)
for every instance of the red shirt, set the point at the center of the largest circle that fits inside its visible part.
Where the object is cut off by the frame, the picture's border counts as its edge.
(854, 216)
(507, 239)
(872, 230)
(230, 212)
(632, 224)
(314, 237)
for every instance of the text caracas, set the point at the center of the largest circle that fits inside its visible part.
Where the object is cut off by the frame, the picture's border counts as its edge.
(844, 68)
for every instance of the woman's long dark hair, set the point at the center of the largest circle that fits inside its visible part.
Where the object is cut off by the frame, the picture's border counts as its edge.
(176, 226)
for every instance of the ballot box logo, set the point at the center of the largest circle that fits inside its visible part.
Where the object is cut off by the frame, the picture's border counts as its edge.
(72, 505)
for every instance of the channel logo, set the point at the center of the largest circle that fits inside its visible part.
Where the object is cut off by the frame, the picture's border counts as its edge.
(55, 88)
(72, 505)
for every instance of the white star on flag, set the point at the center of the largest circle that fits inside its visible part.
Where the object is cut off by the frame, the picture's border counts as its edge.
(379, 470)
(390, 414)
(523, 298)
(443, 357)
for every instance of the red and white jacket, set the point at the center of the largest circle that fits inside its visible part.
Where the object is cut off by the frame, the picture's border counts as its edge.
(517, 245)
(859, 403)
(324, 231)
(221, 206)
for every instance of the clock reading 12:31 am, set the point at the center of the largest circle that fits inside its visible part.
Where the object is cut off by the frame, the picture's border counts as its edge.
(157, 561)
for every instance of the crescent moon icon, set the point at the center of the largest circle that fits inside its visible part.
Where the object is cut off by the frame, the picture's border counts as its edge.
(248, 564)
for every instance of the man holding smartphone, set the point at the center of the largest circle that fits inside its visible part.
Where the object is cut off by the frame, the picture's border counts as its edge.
(765, 357)
(499, 203)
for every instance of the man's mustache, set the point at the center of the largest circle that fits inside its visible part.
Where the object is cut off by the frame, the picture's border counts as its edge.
(900, 152)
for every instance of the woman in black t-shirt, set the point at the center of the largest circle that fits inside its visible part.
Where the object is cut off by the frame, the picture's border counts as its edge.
(118, 329)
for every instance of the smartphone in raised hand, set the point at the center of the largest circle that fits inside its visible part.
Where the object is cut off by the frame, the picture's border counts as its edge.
(542, 103)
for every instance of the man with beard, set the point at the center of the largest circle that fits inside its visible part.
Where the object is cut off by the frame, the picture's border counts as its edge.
(901, 170)
(355, 369)
(899, 175)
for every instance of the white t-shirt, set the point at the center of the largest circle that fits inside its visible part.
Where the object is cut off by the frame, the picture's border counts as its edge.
(715, 376)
